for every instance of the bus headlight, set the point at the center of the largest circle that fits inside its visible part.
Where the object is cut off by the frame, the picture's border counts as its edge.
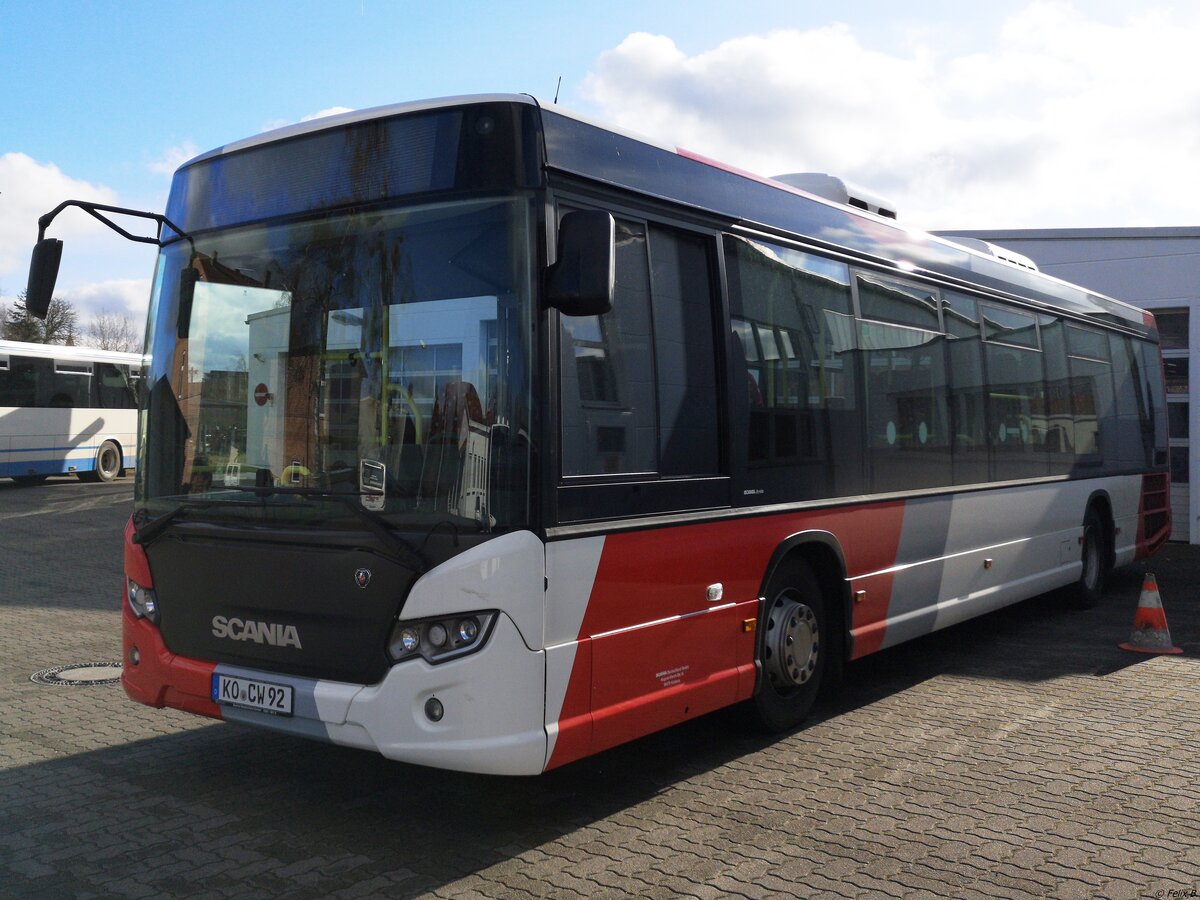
(142, 601)
(441, 639)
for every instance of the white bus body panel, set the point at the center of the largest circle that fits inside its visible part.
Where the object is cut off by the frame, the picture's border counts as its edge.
(48, 440)
(494, 699)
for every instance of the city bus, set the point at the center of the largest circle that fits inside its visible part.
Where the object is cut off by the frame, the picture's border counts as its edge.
(67, 410)
(487, 437)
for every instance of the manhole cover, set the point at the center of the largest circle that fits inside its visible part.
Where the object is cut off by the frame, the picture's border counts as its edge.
(79, 674)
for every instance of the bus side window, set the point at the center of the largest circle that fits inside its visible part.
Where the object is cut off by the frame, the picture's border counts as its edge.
(71, 385)
(968, 394)
(18, 383)
(607, 372)
(905, 385)
(1016, 393)
(684, 353)
(1092, 400)
(111, 391)
(793, 389)
(639, 392)
(1060, 447)
(1128, 452)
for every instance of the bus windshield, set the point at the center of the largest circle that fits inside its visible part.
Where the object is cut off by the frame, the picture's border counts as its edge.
(381, 355)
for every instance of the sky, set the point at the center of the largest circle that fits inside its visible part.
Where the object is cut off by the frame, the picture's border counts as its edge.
(1022, 114)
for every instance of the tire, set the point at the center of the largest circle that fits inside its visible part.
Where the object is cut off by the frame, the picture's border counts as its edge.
(1087, 591)
(108, 462)
(793, 648)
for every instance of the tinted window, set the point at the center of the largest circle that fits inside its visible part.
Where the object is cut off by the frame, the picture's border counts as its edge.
(114, 389)
(1092, 398)
(1017, 407)
(968, 395)
(795, 421)
(907, 421)
(1154, 401)
(608, 416)
(18, 382)
(639, 389)
(886, 300)
(1131, 443)
(1060, 422)
(1009, 326)
(683, 348)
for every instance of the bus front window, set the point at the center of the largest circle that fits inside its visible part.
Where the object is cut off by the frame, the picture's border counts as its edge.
(381, 354)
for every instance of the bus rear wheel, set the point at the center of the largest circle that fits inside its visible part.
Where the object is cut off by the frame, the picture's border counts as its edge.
(793, 648)
(1086, 592)
(108, 464)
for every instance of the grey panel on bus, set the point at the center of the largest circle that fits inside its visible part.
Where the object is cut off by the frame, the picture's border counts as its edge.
(915, 589)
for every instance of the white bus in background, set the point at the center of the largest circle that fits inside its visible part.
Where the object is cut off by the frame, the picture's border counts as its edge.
(67, 410)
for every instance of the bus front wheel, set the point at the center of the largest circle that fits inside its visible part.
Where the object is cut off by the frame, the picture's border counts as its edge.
(793, 648)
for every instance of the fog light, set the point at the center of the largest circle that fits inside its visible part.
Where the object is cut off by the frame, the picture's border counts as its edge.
(437, 634)
(434, 709)
(135, 656)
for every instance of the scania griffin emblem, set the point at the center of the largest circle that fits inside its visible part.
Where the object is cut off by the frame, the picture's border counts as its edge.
(362, 577)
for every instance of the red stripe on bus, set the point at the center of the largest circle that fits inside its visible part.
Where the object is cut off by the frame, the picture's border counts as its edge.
(653, 650)
(159, 677)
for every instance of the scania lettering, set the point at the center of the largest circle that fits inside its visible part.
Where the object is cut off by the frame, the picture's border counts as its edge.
(498, 438)
(260, 632)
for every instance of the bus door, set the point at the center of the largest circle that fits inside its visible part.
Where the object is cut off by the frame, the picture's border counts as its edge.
(641, 438)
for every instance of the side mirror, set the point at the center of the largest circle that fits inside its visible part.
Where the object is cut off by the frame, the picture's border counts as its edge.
(580, 283)
(43, 273)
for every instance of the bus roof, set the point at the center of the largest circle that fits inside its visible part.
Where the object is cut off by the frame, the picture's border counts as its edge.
(580, 147)
(62, 351)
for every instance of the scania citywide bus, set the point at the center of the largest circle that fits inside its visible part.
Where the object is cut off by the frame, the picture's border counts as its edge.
(487, 438)
(67, 410)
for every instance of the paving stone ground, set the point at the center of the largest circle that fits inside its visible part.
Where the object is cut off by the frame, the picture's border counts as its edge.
(1022, 755)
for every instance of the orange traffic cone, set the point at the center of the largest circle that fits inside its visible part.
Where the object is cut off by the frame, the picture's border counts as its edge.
(1150, 633)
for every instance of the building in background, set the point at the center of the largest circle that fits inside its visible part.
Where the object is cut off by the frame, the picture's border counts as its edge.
(1157, 269)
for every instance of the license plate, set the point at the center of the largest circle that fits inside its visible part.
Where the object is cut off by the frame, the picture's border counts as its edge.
(248, 693)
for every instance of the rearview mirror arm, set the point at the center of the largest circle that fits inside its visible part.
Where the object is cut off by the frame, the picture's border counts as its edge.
(96, 210)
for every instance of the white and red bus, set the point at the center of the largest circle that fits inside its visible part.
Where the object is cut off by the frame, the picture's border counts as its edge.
(488, 438)
(67, 411)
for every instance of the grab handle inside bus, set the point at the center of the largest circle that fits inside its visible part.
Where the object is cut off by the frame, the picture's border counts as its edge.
(187, 293)
(580, 283)
(43, 274)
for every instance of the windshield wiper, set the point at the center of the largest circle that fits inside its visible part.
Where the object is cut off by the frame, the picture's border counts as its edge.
(153, 528)
(403, 550)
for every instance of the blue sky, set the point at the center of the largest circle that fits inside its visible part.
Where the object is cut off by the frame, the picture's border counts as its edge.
(1006, 114)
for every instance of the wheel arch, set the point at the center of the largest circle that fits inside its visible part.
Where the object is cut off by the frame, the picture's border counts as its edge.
(1101, 502)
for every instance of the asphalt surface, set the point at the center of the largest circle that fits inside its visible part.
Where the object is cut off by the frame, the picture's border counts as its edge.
(1018, 755)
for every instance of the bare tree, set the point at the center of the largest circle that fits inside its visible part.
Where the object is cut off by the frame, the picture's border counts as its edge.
(60, 324)
(113, 331)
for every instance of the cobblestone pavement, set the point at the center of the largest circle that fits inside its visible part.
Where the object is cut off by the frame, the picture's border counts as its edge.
(1019, 755)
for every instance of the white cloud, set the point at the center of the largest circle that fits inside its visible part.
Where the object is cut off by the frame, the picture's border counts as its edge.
(1063, 120)
(272, 124)
(332, 111)
(29, 189)
(173, 157)
(122, 297)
